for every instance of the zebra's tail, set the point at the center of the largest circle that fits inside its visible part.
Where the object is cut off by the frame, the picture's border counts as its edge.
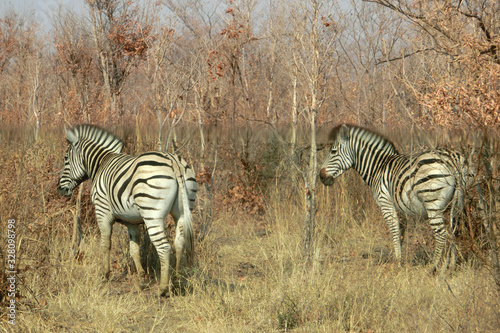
(188, 230)
(188, 223)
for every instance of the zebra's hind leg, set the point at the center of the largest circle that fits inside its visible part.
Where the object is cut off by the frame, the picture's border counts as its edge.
(179, 243)
(457, 208)
(451, 254)
(156, 231)
(134, 233)
(437, 225)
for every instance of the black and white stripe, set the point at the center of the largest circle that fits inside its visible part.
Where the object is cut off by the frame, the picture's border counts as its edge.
(424, 185)
(132, 190)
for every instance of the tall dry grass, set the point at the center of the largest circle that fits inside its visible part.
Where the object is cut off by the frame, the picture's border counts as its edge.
(249, 274)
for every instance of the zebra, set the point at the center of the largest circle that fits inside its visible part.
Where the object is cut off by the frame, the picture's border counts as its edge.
(132, 190)
(425, 185)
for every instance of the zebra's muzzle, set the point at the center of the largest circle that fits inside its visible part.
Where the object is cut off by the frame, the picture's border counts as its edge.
(64, 191)
(326, 179)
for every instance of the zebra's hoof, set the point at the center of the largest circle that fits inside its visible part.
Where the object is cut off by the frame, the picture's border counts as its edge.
(105, 276)
(144, 284)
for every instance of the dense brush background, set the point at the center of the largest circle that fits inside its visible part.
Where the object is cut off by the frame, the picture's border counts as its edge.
(249, 273)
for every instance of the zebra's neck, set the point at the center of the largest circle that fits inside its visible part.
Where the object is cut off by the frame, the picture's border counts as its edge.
(371, 152)
(93, 157)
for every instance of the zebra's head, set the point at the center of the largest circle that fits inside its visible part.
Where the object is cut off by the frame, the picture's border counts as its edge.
(87, 145)
(340, 157)
(74, 172)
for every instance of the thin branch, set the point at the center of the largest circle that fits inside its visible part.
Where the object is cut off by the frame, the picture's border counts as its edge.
(398, 9)
(404, 56)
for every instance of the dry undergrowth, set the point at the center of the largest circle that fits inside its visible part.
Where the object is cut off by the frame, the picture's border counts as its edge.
(245, 282)
(249, 274)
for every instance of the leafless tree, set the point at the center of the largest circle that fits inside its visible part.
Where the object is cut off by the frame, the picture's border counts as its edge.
(75, 66)
(313, 39)
(120, 39)
(201, 24)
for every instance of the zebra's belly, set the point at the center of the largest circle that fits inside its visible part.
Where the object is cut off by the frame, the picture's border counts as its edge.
(412, 206)
(131, 214)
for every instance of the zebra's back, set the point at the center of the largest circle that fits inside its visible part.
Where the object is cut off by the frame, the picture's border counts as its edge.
(137, 188)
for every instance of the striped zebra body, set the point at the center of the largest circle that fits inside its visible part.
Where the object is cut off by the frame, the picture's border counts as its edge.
(133, 190)
(425, 185)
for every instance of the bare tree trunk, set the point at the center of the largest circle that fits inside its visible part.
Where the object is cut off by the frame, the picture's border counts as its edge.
(160, 130)
(309, 224)
(293, 139)
(310, 194)
(97, 33)
(310, 182)
(312, 53)
(34, 97)
(269, 107)
(197, 102)
(138, 136)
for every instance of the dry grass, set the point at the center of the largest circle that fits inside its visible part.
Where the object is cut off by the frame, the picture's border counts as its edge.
(249, 274)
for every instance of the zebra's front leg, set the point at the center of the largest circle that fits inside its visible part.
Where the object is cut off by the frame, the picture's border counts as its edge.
(105, 227)
(156, 231)
(134, 233)
(392, 221)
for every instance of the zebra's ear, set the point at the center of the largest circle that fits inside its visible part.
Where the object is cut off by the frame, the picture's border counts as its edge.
(344, 133)
(70, 135)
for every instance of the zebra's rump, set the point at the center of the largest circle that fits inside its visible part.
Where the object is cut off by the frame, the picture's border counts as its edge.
(427, 181)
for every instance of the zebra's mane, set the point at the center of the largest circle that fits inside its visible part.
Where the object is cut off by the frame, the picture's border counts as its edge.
(363, 134)
(98, 136)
